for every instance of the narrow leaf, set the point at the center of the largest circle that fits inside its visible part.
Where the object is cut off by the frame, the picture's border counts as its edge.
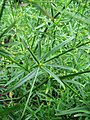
(62, 67)
(54, 76)
(57, 47)
(2, 8)
(41, 9)
(7, 29)
(36, 74)
(78, 17)
(23, 80)
(73, 110)
(4, 52)
(15, 77)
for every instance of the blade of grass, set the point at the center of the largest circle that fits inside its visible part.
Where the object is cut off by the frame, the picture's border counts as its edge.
(73, 110)
(36, 74)
(15, 77)
(9, 56)
(22, 81)
(54, 76)
(41, 9)
(74, 74)
(33, 55)
(5, 53)
(61, 67)
(78, 17)
(71, 49)
(7, 29)
(39, 49)
(57, 47)
(2, 8)
(31, 52)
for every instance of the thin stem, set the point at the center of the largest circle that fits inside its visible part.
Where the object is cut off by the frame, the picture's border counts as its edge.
(7, 29)
(77, 46)
(30, 93)
(72, 90)
(33, 56)
(2, 8)
(61, 77)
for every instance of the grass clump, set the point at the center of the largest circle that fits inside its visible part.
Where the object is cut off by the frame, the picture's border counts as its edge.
(44, 60)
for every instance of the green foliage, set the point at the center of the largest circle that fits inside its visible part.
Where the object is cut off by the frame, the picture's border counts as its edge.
(45, 60)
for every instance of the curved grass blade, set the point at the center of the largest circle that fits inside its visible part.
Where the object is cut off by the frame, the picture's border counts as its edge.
(54, 76)
(22, 81)
(73, 110)
(57, 47)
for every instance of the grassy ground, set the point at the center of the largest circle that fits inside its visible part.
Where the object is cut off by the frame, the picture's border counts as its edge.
(45, 60)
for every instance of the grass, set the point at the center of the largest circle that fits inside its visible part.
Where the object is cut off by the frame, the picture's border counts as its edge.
(45, 60)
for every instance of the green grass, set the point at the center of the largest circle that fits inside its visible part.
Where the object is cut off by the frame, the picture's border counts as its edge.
(45, 60)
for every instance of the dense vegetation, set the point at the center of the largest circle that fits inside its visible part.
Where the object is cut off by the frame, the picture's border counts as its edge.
(45, 60)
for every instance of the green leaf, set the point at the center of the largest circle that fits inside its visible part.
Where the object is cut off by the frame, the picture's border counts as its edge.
(40, 26)
(15, 77)
(61, 67)
(2, 8)
(31, 52)
(7, 29)
(73, 110)
(54, 76)
(69, 50)
(57, 47)
(8, 110)
(78, 17)
(4, 53)
(23, 80)
(41, 9)
(30, 93)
